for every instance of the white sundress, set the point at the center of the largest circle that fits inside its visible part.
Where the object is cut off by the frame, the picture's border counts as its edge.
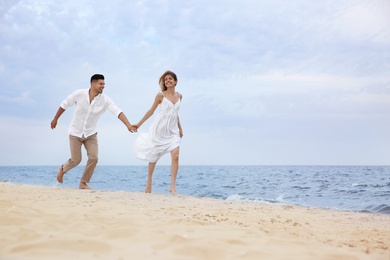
(163, 134)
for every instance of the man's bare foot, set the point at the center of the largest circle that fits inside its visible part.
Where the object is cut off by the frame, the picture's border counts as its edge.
(84, 186)
(60, 175)
(148, 190)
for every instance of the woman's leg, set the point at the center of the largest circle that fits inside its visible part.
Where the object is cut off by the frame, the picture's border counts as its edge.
(174, 169)
(151, 167)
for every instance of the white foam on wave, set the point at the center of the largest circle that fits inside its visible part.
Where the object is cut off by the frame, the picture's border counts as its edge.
(280, 198)
(237, 197)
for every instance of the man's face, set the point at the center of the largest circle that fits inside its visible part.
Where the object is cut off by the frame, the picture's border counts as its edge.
(98, 85)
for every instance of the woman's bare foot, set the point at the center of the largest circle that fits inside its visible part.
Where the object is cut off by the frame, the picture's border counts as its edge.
(173, 191)
(84, 186)
(60, 175)
(148, 189)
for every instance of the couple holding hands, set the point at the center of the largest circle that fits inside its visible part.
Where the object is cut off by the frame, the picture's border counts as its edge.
(164, 135)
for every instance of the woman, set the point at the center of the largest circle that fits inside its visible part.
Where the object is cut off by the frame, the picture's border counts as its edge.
(165, 133)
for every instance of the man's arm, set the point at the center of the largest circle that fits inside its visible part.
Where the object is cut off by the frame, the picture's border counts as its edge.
(56, 117)
(130, 127)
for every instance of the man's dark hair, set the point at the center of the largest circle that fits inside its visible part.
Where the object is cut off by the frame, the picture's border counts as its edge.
(97, 77)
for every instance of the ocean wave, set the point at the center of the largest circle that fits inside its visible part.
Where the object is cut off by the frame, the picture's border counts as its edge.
(383, 209)
(240, 198)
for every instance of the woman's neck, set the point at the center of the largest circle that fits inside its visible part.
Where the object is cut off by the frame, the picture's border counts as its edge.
(170, 91)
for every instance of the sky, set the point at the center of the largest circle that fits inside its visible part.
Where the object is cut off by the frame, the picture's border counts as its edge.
(264, 82)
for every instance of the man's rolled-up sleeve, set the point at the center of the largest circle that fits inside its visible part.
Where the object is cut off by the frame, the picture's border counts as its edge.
(114, 109)
(69, 101)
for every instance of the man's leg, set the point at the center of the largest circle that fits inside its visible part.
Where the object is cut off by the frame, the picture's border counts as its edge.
(91, 145)
(75, 157)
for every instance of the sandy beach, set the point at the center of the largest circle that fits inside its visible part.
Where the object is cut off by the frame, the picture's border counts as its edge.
(62, 223)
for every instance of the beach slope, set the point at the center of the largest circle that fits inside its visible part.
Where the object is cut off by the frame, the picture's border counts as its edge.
(62, 223)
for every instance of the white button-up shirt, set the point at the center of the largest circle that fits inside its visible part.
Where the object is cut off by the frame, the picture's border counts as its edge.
(86, 115)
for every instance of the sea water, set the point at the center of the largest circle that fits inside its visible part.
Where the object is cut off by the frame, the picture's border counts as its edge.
(353, 188)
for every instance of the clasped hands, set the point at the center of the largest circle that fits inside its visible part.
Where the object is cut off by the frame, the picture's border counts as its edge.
(133, 128)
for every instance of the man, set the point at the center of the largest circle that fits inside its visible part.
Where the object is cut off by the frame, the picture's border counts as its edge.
(89, 104)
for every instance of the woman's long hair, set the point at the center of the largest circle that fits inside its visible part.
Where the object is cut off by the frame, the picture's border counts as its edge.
(161, 81)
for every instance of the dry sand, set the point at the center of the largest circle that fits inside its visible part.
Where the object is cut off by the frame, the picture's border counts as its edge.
(63, 223)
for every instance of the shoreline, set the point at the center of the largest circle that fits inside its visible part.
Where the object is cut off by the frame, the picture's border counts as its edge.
(358, 190)
(254, 201)
(41, 222)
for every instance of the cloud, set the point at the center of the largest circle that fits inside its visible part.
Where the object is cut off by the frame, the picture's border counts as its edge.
(240, 65)
(365, 21)
(21, 100)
